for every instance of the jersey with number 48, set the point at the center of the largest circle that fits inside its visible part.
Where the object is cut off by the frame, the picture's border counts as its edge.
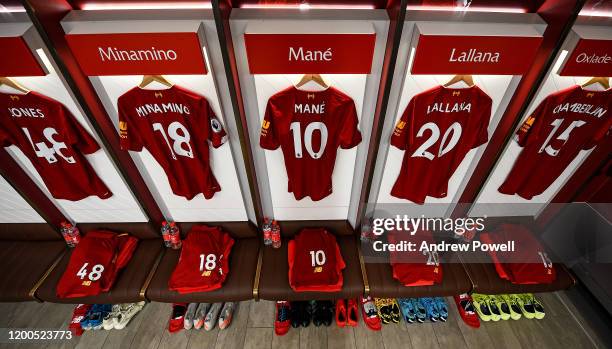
(309, 126)
(562, 125)
(315, 261)
(204, 261)
(54, 141)
(436, 131)
(95, 264)
(174, 125)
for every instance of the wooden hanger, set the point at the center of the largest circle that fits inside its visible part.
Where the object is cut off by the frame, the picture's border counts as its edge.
(147, 79)
(465, 78)
(312, 77)
(13, 84)
(603, 81)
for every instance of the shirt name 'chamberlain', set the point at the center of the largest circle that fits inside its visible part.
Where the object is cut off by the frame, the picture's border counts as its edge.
(152, 54)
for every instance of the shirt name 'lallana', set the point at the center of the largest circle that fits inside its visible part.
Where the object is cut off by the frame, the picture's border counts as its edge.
(449, 107)
(152, 54)
(28, 112)
(580, 108)
(309, 108)
(161, 108)
(473, 55)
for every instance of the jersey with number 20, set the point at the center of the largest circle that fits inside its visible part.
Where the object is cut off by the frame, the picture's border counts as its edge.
(174, 125)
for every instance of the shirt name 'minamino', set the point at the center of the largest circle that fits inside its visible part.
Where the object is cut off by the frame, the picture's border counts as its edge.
(309, 55)
(161, 108)
(309, 108)
(473, 55)
(152, 54)
(28, 112)
(449, 107)
(593, 59)
(580, 108)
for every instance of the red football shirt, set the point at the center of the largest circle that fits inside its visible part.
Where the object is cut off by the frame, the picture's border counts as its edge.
(174, 125)
(438, 128)
(47, 133)
(95, 263)
(565, 123)
(528, 263)
(315, 261)
(204, 261)
(415, 268)
(309, 126)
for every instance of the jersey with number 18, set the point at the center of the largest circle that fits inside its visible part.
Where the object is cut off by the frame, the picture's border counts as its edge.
(174, 125)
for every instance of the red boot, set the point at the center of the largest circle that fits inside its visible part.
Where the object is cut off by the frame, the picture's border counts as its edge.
(340, 313)
(352, 315)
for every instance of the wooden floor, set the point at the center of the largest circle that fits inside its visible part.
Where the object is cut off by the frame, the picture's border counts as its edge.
(253, 321)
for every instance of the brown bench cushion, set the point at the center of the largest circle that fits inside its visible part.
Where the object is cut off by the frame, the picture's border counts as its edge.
(486, 280)
(238, 285)
(382, 284)
(127, 286)
(274, 281)
(24, 263)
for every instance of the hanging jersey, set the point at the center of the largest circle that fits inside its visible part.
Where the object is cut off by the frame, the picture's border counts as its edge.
(47, 133)
(309, 126)
(95, 263)
(204, 261)
(528, 263)
(315, 261)
(564, 123)
(436, 131)
(174, 125)
(415, 268)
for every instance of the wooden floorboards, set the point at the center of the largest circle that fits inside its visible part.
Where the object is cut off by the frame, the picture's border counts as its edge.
(252, 327)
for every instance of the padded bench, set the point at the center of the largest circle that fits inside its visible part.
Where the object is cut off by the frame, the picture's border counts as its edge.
(485, 279)
(238, 285)
(274, 279)
(26, 262)
(128, 287)
(382, 284)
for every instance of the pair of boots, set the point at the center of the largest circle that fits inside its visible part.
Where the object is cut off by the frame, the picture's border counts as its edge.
(317, 312)
(347, 313)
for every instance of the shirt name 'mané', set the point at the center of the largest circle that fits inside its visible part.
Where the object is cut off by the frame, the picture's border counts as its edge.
(26, 112)
(309, 55)
(155, 108)
(473, 55)
(152, 54)
(449, 107)
(309, 108)
(580, 108)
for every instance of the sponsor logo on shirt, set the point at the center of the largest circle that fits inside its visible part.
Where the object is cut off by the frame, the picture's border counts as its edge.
(318, 269)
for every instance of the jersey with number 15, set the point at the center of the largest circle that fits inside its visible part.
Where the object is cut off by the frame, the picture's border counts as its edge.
(565, 123)
(309, 126)
(174, 125)
(48, 134)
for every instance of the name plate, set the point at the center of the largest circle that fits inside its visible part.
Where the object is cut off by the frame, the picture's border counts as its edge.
(495, 55)
(138, 53)
(310, 53)
(589, 58)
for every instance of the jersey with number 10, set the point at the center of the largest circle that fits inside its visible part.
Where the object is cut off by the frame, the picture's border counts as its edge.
(309, 126)
(174, 125)
(48, 134)
(438, 128)
(562, 125)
